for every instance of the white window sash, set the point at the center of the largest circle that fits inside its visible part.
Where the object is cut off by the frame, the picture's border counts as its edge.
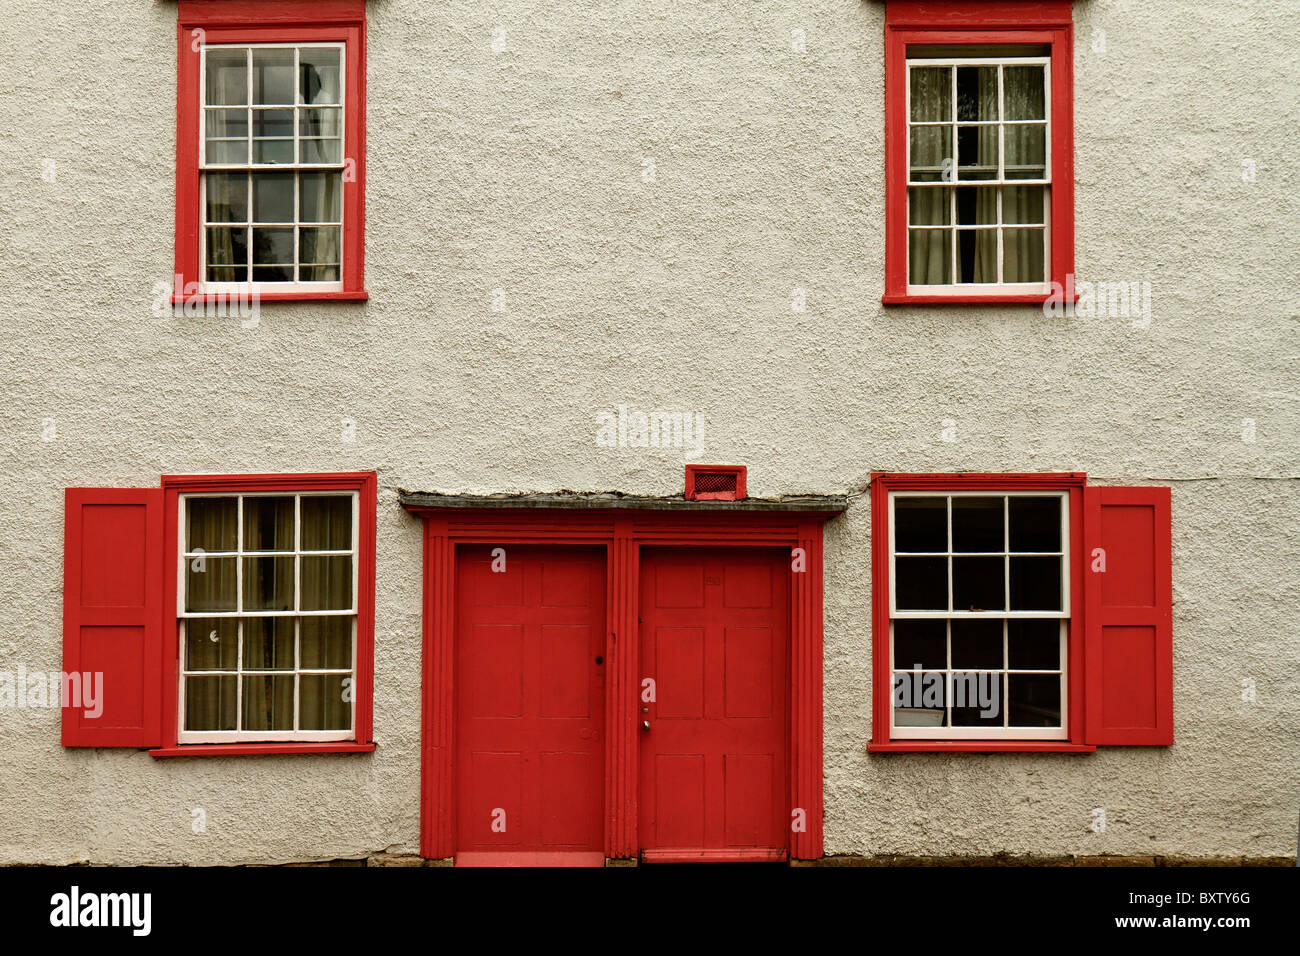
(233, 289)
(999, 288)
(983, 733)
(239, 673)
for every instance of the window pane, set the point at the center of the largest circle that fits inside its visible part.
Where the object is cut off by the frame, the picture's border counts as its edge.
(276, 152)
(325, 642)
(326, 521)
(318, 75)
(211, 524)
(268, 643)
(1033, 645)
(931, 154)
(268, 524)
(920, 644)
(227, 79)
(319, 245)
(1026, 152)
(273, 273)
(227, 197)
(210, 584)
(977, 524)
(977, 93)
(226, 123)
(273, 124)
(931, 94)
(324, 123)
(273, 197)
(274, 247)
(226, 154)
(929, 206)
(268, 584)
(977, 152)
(1035, 584)
(977, 206)
(273, 76)
(327, 583)
(321, 702)
(321, 150)
(977, 645)
(1022, 255)
(1023, 88)
(1023, 203)
(1035, 700)
(320, 197)
(318, 273)
(982, 700)
(919, 700)
(920, 524)
(977, 255)
(227, 255)
(921, 584)
(211, 643)
(977, 584)
(210, 703)
(268, 703)
(929, 256)
(1035, 523)
(273, 136)
(226, 132)
(227, 274)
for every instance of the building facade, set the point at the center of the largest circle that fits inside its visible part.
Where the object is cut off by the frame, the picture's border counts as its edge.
(543, 433)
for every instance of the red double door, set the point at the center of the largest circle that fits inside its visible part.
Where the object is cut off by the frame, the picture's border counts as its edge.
(530, 714)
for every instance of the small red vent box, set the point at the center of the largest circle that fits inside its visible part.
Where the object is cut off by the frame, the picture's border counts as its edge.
(715, 482)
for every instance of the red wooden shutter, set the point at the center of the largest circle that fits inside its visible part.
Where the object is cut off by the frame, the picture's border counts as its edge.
(1128, 650)
(112, 616)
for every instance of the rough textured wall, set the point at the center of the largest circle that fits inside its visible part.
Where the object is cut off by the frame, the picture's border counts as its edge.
(523, 171)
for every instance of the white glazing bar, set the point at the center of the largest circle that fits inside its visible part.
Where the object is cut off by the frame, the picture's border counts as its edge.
(248, 101)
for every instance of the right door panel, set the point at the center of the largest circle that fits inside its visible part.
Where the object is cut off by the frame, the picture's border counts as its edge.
(714, 780)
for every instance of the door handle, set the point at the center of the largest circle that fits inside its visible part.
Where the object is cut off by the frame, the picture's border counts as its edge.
(645, 725)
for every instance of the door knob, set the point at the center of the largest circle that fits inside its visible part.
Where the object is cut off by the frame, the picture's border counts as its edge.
(645, 725)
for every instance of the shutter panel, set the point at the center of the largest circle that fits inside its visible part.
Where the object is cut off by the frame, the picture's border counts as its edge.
(1128, 650)
(112, 617)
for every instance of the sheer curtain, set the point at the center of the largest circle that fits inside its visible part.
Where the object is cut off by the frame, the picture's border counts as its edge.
(970, 204)
(1025, 158)
(325, 641)
(211, 644)
(320, 248)
(929, 250)
(320, 200)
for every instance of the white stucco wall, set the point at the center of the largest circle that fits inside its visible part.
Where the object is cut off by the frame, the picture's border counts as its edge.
(522, 171)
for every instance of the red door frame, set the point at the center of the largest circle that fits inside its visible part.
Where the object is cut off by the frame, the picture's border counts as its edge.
(622, 532)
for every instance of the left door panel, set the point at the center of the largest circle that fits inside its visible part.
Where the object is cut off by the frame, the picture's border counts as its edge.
(530, 705)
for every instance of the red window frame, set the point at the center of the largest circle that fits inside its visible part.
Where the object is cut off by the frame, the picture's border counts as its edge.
(366, 484)
(881, 486)
(949, 22)
(280, 21)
